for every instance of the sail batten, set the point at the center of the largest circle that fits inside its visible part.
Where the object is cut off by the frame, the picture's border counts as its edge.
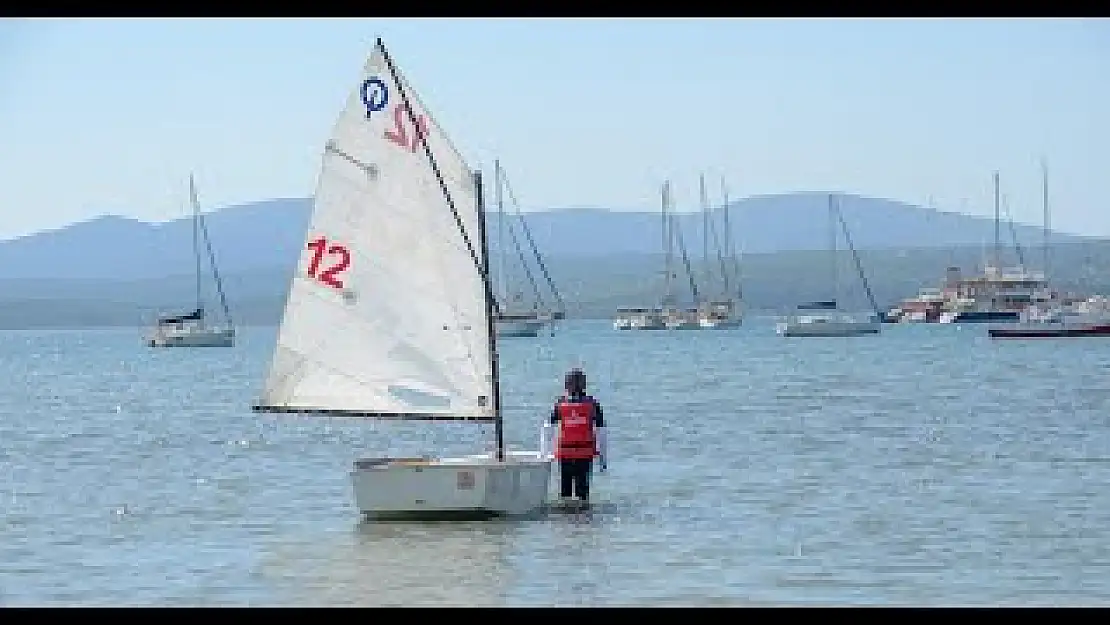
(386, 315)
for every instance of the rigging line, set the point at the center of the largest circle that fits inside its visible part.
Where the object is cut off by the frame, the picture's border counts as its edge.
(532, 243)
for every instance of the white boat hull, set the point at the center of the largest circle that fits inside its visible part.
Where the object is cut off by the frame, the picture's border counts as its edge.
(466, 487)
(644, 322)
(722, 315)
(683, 325)
(832, 327)
(659, 323)
(721, 324)
(192, 337)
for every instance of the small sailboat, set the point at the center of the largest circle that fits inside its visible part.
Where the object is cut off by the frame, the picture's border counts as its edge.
(722, 312)
(513, 320)
(824, 318)
(195, 329)
(1053, 316)
(676, 317)
(666, 315)
(390, 313)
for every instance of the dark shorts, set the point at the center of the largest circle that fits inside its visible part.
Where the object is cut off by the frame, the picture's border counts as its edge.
(575, 478)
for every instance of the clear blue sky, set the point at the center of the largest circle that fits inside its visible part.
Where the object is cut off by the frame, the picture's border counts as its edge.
(110, 116)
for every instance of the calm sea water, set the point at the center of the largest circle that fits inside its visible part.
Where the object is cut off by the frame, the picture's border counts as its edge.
(928, 465)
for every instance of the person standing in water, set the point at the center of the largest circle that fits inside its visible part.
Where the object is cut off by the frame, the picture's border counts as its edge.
(580, 437)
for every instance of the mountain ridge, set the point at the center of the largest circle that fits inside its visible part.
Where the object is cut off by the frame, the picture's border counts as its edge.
(270, 232)
(592, 288)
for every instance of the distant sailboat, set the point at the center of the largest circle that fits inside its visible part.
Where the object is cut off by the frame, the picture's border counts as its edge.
(676, 317)
(194, 329)
(824, 318)
(724, 311)
(512, 321)
(1053, 315)
(640, 318)
(390, 313)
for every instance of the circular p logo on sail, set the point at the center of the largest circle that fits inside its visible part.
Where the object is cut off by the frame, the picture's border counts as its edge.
(374, 94)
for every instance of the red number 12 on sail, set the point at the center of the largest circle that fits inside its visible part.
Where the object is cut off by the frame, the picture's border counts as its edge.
(329, 275)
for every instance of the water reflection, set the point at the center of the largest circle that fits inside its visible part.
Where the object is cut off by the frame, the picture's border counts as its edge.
(402, 564)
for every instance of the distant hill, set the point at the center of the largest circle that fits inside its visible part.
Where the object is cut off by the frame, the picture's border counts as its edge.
(270, 233)
(117, 271)
(592, 287)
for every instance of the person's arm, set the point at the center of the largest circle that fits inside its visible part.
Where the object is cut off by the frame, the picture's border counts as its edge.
(548, 441)
(602, 439)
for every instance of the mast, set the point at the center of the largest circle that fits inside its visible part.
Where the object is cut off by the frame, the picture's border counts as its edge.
(998, 239)
(832, 248)
(664, 198)
(211, 253)
(495, 369)
(196, 237)
(1044, 208)
(502, 280)
(729, 246)
(718, 245)
(1013, 233)
(704, 199)
(676, 238)
(952, 259)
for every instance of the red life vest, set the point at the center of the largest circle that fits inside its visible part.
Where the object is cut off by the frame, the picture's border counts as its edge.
(577, 439)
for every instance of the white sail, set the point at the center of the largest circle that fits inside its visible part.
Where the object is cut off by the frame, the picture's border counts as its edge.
(400, 329)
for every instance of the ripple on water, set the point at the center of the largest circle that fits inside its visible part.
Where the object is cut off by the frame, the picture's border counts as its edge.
(925, 465)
